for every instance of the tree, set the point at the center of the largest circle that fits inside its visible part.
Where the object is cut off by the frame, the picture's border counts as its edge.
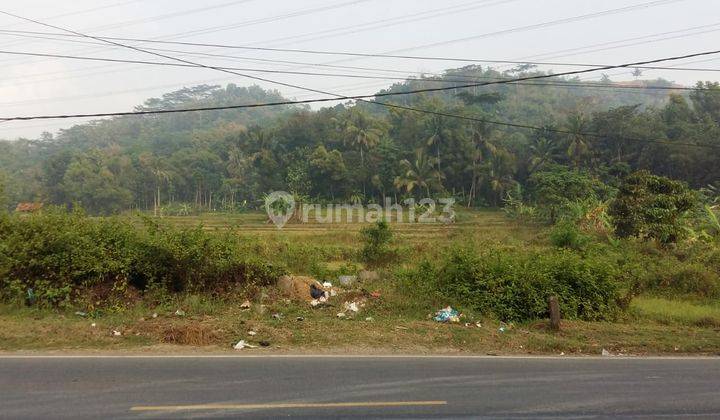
(578, 147)
(3, 196)
(420, 173)
(91, 184)
(554, 188)
(706, 99)
(327, 170)
(651, 207)
(161, 176)
(362, 131)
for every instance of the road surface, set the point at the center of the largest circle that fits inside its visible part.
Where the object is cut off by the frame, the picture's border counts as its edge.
(357, 387)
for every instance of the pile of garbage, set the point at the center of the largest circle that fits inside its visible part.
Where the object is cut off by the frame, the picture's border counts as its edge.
(447, 315)
(316, 294)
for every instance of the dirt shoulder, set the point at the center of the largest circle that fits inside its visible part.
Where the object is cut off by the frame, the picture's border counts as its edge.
(305, 331)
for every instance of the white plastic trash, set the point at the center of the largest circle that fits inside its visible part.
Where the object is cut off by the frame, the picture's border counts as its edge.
(243, 344)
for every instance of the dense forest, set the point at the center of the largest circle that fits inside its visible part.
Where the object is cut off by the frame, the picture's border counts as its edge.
(227, 160)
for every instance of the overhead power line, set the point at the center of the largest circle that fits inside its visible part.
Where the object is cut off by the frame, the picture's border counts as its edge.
(674, 34)
(357, 97)
(436, 79)
(256, 21)
(343, 53)
(375, 96)
(362, 97)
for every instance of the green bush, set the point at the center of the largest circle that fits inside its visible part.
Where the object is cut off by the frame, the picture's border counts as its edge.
(376, 248)
(557, 188)
(567, 235)
(58, 254)
(652, 207)
(514, 285)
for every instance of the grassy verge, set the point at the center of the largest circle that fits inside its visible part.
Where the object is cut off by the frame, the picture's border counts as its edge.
(678, 312)
(214, 326)
(396, 322)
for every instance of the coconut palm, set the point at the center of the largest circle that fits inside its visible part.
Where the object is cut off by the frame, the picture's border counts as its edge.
(436, 126)
(420, 173)
(542, 152)
(578, 146)
(361, 131)
(161, 175)
(481, 154)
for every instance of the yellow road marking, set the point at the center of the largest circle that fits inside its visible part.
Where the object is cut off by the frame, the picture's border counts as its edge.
(286, 405)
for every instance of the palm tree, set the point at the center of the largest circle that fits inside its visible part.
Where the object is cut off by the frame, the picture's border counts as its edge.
(499, 175)
(483, 151)
(160, 175)
(436, 127)
(542, 151)
(361, 131)
(578, 146)
(420, 173)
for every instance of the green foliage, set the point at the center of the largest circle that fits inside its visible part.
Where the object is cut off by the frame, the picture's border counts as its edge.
(58, 253)
(376, 243)
(557, 189)
(514, 285)
(219, 159)
(652, 207)
(567, 235)
(3, 196)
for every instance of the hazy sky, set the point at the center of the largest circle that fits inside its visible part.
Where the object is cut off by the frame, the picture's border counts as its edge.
(540, 30)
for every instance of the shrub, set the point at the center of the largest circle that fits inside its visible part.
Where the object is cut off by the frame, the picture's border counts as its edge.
(558, 187)
(651, 206)
(686, 279)
(515, 286)
(567, 235)
(377, 238)
(56, 254)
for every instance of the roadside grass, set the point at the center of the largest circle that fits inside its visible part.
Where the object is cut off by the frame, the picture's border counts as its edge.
(677, 311)
(321, 331)
(399, 321)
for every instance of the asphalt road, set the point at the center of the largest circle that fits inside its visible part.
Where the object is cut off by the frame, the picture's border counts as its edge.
(358, 387)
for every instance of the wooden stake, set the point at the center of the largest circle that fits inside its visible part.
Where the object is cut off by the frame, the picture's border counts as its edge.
(554, 309)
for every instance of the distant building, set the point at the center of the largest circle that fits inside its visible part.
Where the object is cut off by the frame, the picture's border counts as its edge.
(28, 207)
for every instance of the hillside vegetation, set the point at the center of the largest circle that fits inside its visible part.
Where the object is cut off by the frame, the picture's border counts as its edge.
(226, 160)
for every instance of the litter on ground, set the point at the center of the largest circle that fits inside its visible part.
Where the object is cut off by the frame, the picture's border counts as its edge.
(447, 315)
(245, 305)
(180, 312)
(347, 280)
(300, 288)
(316, 292)
(351, 306)
(243, 344)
